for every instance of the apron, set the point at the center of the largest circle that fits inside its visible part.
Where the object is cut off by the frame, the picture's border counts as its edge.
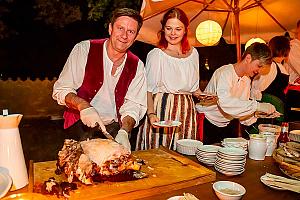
(176, 107)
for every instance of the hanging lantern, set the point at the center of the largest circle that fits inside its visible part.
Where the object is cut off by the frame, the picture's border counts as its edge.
(253, 40)
(208, 33)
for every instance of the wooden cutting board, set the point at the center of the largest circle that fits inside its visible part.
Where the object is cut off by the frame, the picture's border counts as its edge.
(167, 171)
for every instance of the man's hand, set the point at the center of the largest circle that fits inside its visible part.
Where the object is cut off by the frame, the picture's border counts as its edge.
(90, 117)
(266, 108)
(122, 138)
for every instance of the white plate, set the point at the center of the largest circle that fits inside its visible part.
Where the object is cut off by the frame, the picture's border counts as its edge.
(167, 123)
(205, 95)
(209, 148)
(176, 198)
(231, 161)
(5, 182)
(231, 151)
(229, 168)
(227, 173)
(235, 140)
(230, 158)
(271, 186)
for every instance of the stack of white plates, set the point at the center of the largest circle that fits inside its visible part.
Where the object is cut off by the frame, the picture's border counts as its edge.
(230, 161)
(207, 154)
(187, 146)
(235, 142)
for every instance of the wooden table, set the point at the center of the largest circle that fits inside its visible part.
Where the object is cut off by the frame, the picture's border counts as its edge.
(250, 179)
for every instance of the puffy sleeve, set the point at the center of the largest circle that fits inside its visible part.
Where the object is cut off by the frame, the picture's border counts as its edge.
(135, 104)
(153, 71)
(229, 98)
(197, 70)
(71, 77)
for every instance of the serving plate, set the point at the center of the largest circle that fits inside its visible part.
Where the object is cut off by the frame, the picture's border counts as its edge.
(206, 99)
(206, 95)
(167, 123)
(271, 186)
(288, 173)
(5, 182)
(267, 116)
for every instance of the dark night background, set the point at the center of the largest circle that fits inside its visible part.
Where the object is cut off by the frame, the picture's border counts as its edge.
(36, 36)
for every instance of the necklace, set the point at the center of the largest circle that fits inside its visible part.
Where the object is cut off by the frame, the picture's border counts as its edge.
(175, 53)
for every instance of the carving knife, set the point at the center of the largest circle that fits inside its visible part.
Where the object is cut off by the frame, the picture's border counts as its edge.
(105, 133)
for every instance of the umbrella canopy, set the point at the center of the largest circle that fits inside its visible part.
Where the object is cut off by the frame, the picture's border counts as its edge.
(240, 20)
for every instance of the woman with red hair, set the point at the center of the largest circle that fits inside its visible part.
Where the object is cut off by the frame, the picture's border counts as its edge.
(172, 72)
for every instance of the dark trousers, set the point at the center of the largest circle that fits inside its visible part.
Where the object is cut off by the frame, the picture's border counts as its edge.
(80, 132)
(214, 134)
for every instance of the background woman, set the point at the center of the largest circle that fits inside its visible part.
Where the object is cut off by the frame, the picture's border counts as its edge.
(272, 82)
(172, 77)
(276, 80)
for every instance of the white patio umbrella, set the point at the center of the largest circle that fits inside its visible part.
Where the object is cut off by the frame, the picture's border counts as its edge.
(240, 20)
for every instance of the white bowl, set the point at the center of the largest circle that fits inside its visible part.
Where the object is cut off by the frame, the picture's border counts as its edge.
(295, 135)
(188, 146)
(227, 190)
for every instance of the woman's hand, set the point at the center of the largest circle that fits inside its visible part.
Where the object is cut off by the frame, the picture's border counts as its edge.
(153, 118)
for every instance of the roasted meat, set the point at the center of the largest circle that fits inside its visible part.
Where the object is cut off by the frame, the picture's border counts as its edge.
(97, 160)
(53, 187)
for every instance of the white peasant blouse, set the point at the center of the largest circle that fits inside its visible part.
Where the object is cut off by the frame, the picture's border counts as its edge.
(167, 74)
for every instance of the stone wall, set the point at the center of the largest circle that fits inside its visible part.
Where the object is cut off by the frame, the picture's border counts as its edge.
(32, 98)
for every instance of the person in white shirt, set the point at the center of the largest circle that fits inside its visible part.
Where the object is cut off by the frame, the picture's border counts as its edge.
(276, 80)
(231, 83)
(293, 67)
(172, 78)
(293, 63)
(103, 84)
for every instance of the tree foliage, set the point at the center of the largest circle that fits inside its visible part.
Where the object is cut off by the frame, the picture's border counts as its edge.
(5, 30)
(57, 13)
(104, 8)
(60, 13)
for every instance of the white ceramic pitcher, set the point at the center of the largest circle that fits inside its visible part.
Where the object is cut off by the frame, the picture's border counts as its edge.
(11, 152)
(257, 147)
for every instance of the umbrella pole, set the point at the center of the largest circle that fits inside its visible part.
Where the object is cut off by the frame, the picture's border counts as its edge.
(236, 12)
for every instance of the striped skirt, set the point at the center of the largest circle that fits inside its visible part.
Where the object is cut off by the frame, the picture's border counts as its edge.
(175, 107)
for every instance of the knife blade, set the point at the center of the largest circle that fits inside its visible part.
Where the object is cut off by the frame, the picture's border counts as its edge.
(105, 133)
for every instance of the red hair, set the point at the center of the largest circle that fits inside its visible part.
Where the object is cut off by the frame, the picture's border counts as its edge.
(179, 14)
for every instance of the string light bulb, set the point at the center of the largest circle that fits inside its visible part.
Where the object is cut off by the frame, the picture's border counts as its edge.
(253, 40)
